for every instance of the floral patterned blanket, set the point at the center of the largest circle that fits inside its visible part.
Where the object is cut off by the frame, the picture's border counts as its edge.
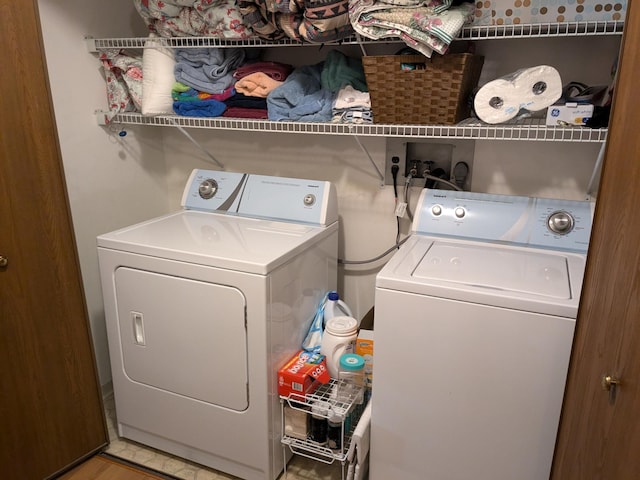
(315, 21)
(426, 26)
(200, 18)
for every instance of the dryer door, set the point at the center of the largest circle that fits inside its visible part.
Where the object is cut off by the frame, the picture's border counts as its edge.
(183, 336)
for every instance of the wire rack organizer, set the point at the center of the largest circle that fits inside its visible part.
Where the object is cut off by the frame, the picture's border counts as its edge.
(325, 394)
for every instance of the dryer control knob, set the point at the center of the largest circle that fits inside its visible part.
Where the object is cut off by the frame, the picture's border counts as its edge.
(560, 222)
(459, 212)
(436, 210)
(208, 188)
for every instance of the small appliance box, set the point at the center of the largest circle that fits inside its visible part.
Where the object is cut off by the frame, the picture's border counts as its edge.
(302, 374)
(513, 12)
(364, 347)
(569, 114)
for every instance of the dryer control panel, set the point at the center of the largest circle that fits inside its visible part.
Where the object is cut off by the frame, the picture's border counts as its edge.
(260, 196)
(528, 221)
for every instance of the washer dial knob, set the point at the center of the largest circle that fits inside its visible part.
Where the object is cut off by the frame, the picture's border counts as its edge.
(459, 212)
(560, 222)
(436, 210)
(309, 199)
(208, 188)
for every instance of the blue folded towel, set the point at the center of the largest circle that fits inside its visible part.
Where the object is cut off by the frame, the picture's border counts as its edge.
(204, 108)
(208, 70)
(301, 97)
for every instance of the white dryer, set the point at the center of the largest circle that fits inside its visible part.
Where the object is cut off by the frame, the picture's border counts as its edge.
(204, 305)
(474, 321)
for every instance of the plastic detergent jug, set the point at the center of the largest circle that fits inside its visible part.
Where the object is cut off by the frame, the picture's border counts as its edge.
(339, 338)
(334, 307)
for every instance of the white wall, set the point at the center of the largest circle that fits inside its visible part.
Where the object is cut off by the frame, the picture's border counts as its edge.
(111, 181)
(114, 181)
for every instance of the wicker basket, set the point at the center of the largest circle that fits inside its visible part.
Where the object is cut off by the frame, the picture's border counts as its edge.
(413, 89)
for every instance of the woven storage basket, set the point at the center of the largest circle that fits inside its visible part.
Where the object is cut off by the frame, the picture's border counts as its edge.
(436, 92)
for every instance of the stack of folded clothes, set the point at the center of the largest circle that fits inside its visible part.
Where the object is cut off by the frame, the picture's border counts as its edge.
(254, 82)
(204, 79)
(309, 93)
(352, 106)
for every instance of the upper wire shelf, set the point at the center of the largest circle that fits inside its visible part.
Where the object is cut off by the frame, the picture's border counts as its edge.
(529, 129)
(567, 29)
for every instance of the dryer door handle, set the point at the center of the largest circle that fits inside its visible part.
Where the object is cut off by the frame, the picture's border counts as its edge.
(138, 327)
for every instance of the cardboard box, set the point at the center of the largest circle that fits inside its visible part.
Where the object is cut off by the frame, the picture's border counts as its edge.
(302, 374)
(364, 347)
(569, 114)
(514, 12)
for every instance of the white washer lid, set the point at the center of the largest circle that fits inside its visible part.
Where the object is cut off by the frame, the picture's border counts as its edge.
(482, 266)
(522, 278)
(226, 241)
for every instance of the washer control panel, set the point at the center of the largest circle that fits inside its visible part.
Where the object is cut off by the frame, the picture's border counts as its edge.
(535, 222)
(260, 196)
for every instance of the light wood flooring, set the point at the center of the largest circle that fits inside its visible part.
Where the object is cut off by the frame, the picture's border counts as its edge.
(101, 468)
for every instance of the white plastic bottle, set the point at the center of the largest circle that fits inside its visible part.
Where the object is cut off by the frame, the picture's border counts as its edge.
(334, 307)
(339, 337)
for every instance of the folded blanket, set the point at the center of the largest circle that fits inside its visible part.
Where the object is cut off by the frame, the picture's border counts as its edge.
(245, 101)
(277, 71)
(208, 70)
(426, 28)
(204, 108)
(340, 70)
(123, 72)
(232, 59)
(197, 57)
(301, 97)
(241, 112)
(196, 78)
(203, 18)
(256, 84)
(316, 21)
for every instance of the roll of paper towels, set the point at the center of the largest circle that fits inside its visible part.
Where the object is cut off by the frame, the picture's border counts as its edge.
(497, 101)
(532, 89)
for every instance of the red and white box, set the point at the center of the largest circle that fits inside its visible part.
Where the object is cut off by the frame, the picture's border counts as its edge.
(302, 374)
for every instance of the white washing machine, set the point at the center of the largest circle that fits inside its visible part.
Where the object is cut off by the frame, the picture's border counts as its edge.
(474, 321)
(204, 305)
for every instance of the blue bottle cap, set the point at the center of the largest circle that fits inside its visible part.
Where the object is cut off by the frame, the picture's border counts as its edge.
(352, 362)
(334, 296)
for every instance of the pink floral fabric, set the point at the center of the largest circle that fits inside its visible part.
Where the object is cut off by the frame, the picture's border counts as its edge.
(201, 18)
(123, 74)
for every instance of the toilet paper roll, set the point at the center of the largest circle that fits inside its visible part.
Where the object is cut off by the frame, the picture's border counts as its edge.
(497, 101)
(538, 87)
(531, 89)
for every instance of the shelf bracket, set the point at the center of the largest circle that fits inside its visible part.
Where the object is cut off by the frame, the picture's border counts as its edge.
(366, 152)
(195, 142)
(595, 174)
(91, 44)
(361, 44)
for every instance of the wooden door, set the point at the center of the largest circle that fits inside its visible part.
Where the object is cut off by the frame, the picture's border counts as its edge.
(599, 436)
(50, 404)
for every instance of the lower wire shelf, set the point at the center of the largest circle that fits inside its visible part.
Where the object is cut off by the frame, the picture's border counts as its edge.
(342, 408)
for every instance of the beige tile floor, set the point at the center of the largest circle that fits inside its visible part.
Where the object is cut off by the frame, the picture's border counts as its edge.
(299, 468)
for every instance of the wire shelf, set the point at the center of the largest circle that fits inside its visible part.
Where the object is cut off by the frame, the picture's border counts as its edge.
(531, 129)
(325, 394)
(576, 29)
